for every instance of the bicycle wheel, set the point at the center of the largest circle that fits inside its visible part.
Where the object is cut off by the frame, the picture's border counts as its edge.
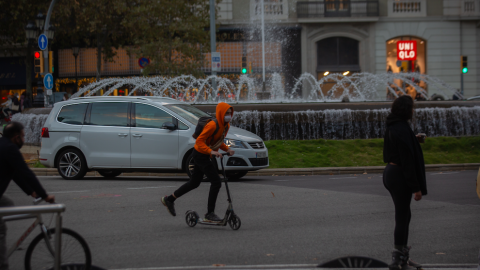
(75, 252)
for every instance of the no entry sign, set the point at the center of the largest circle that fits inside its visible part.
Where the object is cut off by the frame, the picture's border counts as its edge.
(407, 50)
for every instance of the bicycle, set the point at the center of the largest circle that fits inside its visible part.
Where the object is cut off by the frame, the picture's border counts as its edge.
(75, 253)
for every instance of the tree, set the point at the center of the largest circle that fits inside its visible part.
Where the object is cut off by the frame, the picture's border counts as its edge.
(171, 33)
(95, 23)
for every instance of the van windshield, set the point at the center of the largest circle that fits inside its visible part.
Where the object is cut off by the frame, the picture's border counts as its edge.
(188, 112)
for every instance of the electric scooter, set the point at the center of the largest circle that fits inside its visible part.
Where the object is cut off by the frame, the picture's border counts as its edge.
(192, 217)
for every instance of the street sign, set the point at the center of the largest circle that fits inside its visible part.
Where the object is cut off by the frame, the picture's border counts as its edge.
(216, 61)
(48, 81)
(407, 50)
(143, 62)
(42, 42)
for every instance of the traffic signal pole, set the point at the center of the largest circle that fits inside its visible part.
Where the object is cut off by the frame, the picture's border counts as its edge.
(213, 46)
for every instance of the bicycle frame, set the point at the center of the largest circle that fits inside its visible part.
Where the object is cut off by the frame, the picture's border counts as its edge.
(24, 212)
(38, 221)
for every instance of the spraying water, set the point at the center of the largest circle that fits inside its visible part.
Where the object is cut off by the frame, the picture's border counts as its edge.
(331, 88)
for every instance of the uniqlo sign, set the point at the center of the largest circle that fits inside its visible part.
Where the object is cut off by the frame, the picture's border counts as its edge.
(407, 50)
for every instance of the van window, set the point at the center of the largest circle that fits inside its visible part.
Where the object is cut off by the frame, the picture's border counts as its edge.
(72, 114)
(150, 117)
(109, 114)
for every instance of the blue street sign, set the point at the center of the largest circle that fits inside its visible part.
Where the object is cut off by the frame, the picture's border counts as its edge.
(42, 42)
(143, 62)
(48, 81)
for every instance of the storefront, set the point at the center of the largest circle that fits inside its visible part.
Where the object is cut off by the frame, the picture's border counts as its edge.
(12, 77)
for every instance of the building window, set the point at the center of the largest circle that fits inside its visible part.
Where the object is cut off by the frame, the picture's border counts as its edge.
(225, 10)
(337, 54)
(396, 65)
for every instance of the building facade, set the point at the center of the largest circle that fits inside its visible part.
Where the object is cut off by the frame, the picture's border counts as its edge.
(361, 35)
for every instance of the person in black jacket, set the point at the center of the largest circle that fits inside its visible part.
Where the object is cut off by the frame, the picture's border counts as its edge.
(404, 175)
(13, 166)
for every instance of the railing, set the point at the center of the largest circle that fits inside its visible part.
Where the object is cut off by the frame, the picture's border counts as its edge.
(470, 8)
(407, 8)
(337, 8)
(274, 9)
(22, 212)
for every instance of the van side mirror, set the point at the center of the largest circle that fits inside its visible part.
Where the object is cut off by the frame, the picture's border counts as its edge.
(169, 126)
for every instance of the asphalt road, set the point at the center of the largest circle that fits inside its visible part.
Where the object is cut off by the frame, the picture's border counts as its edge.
(285, 220)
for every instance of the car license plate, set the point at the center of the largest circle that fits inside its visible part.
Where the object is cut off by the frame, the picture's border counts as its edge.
(261, 154)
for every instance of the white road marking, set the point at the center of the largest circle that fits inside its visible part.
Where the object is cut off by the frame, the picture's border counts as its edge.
(261, 266)
(444, 173)
(70, 191)
(151, 187)
(342, 177)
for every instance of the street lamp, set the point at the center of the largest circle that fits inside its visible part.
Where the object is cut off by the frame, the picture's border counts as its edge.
(40, 20)
(50, 32)
(75, 51)
(31, 31)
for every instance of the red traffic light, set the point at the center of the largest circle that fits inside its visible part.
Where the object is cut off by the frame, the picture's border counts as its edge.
(36, 54)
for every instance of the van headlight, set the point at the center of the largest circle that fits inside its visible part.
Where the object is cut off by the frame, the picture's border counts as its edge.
(234, 143)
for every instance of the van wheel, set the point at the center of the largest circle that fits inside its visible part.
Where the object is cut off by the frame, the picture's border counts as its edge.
(236, 175)
(72, 165)
(109, 173)
(190, 165)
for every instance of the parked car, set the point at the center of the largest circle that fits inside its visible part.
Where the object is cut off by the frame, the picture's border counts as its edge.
(112, 135)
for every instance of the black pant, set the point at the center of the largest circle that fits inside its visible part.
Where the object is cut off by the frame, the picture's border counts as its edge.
(203, 165)
(395, 183)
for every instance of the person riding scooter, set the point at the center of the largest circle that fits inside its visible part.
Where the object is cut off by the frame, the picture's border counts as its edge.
(206, 147)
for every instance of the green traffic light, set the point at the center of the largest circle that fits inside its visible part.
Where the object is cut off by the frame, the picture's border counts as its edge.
(465, 70)
(244, 70)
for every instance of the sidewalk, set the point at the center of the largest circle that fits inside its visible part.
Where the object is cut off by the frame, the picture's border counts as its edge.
(291, 171)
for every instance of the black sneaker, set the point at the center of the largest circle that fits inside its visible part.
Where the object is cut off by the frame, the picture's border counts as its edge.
(170, 206)
(212, 217)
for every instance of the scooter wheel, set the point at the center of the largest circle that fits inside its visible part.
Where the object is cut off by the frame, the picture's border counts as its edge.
(235, 222)
(191, 217)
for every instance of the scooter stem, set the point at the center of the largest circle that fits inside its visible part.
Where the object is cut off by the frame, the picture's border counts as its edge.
(225, 180)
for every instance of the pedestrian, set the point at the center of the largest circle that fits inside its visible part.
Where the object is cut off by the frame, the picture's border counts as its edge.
(25, 102)
(13, 167)
(65, 97)
(206, 149)
(404, 175)
(7, 106)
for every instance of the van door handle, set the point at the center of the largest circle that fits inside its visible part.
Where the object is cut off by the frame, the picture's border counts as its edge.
(123, 134)
(137, 135)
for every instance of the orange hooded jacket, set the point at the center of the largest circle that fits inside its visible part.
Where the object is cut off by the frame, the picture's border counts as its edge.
(204, 140)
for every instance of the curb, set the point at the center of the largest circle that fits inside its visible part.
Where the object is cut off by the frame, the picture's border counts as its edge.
(289, 171)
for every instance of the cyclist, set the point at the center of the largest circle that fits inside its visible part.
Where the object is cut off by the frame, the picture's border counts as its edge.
(13, 166)
(206, 148)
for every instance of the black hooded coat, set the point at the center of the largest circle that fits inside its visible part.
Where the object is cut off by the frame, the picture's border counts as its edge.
(402, 147)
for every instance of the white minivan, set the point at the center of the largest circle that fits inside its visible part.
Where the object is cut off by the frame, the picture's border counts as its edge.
(112, 135)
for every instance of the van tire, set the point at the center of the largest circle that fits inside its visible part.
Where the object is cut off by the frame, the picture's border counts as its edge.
(109, 174)
(72, 159)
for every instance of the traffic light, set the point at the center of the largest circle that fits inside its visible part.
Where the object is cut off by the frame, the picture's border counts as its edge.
(464, 64)
(38, 62)
(244, 64)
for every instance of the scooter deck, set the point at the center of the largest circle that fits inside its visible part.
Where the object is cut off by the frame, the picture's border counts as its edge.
(214, 223)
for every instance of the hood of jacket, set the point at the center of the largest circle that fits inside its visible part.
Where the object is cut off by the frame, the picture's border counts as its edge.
(392, 118)
(221, 111)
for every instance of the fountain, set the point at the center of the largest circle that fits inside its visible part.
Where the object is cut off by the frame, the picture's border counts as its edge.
(358, 87)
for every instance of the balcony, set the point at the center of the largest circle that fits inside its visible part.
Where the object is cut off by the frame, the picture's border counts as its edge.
(470, 8)
(337, 8)
(407, 8)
